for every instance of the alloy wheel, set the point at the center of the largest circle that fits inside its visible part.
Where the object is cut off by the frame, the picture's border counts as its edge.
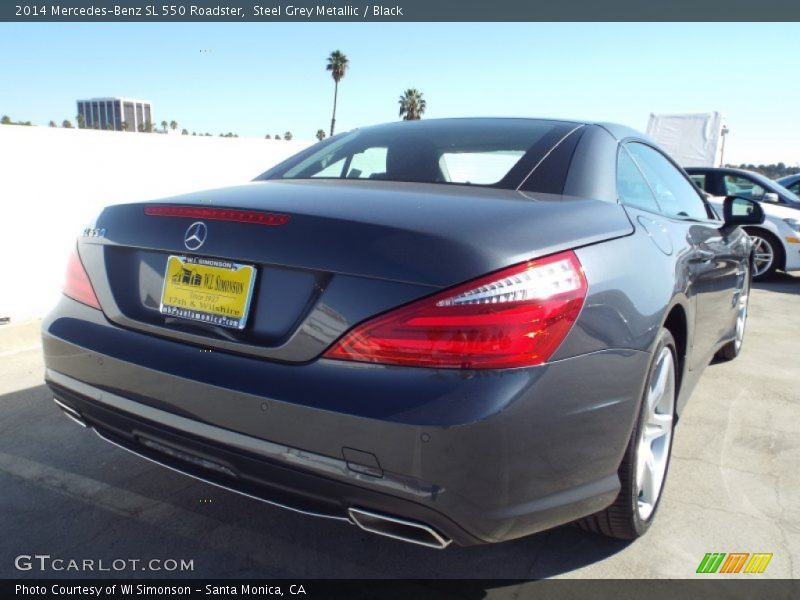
(655, 435)
(764, 255)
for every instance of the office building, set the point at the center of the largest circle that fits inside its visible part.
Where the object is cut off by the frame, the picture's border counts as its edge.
(114, 112)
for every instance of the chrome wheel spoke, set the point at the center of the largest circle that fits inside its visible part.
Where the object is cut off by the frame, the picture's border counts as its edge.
(741, 319)
(647, 487)
(658, 425)
(657, 386)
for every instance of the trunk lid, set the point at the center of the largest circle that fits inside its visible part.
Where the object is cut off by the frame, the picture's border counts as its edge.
(349, 250)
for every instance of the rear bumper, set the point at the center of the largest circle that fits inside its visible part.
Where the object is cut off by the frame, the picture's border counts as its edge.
(479, 457)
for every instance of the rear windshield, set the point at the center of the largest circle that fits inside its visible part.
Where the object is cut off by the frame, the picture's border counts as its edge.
(484, 152)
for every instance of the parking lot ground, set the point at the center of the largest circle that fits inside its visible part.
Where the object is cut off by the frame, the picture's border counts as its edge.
(733, 486)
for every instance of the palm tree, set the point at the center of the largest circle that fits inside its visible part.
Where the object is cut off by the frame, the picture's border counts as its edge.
(320, 134)
(337, 65)
(81, 121)
(412, 105)
(124, 126)
(173, 125)
(53, 124)
(287, 135)
(6, 120)
(164, 126)
(66, 124)
(184, 132)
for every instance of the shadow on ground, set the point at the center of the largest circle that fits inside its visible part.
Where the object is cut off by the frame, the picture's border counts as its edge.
(67, 493)
(783, 283)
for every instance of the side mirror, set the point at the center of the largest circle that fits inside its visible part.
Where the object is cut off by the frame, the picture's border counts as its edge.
(770, 197)
(738, 211)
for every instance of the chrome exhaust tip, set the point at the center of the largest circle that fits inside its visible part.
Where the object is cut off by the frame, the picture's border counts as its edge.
(71, 413)
(398, 529)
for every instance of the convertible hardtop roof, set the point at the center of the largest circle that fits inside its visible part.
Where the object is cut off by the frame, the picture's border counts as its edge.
(619, 132)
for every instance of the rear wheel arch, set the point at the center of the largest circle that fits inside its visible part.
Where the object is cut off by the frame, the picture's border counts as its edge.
(677, 323)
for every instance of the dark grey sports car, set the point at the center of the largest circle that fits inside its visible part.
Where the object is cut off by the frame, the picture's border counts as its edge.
(461, 330)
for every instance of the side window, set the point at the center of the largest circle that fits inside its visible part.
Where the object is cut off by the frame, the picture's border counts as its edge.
(371, 162)
(740, 186)
(632, 189)
(675, 194)
(795, 188)
(332, 170)
(699, 179)
(484, 168)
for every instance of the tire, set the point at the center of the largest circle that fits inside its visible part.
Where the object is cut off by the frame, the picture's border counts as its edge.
(768, 252)
(632, 513)
(732, 349)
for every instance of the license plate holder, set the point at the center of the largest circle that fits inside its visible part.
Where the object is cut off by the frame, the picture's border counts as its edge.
(209, 290)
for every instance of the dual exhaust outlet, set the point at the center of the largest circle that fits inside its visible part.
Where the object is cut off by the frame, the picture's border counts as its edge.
(396, 528)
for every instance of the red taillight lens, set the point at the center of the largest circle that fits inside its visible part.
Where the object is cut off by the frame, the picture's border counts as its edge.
(77, 285)
(516, 317)
(256, 217)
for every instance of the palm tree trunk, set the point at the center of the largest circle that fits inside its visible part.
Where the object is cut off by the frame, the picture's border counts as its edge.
(335, 94)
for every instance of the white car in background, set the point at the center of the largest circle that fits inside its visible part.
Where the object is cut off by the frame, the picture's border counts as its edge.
(777, 240)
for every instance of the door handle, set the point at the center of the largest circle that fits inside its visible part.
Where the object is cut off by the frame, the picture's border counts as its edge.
(702, 256)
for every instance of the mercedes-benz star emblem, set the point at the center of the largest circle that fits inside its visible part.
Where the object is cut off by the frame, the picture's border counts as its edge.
(195, 235)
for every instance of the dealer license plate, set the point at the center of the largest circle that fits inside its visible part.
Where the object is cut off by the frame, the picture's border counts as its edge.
(209, 290)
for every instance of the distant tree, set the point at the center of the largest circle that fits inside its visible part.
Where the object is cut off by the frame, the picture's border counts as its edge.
(66, 124)
(148, 127)
(53, 124)
(337, 65)
(164, 126)
(124, 125)
(287, 135)
(140, 128)
(26, 123)
(277, 137)
(6, 120)
(412, 105)
(109, 127)
(773, 171)
(96, 125)
(81, 121)
(184, 132)
(320, 134)
(268, 137)
(173, 125)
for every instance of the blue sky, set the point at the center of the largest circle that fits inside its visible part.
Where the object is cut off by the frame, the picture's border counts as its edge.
(258, 78)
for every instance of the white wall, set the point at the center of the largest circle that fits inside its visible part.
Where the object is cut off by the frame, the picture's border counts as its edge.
(53, 182)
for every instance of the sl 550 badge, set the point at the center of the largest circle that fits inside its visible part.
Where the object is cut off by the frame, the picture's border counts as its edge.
(94, 232)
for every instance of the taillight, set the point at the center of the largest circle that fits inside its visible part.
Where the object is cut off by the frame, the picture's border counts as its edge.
(77, 285)
(516, 317)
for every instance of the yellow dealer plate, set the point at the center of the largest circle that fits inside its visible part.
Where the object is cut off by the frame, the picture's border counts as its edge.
(210, 290)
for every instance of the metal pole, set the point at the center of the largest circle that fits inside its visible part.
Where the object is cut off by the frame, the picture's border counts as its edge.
(723, 133)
